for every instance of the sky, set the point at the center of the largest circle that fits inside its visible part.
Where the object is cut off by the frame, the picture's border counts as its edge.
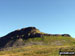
(49, 16)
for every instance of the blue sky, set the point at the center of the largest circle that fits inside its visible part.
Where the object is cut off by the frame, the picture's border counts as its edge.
(50, 16)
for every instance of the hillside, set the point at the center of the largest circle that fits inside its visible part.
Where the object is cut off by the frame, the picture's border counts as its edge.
(32, 39)
(21, 36)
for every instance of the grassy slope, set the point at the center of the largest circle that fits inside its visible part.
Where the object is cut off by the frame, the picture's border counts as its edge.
(49, 46)
(53, 40)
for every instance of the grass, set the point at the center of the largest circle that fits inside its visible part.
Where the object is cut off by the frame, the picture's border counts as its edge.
(50, 46)
(34, 50)
(53, 40)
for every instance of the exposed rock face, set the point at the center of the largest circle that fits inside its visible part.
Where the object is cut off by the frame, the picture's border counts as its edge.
(66, 35)
(17, 37)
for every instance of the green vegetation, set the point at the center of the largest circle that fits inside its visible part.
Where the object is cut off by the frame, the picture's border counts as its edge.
(53, 40)
(42, 46)
(34, 50)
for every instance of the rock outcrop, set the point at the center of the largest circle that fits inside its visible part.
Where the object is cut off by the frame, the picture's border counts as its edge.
(16, 37)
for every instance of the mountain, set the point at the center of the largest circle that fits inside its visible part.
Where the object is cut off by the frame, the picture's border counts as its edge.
(33, 36)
